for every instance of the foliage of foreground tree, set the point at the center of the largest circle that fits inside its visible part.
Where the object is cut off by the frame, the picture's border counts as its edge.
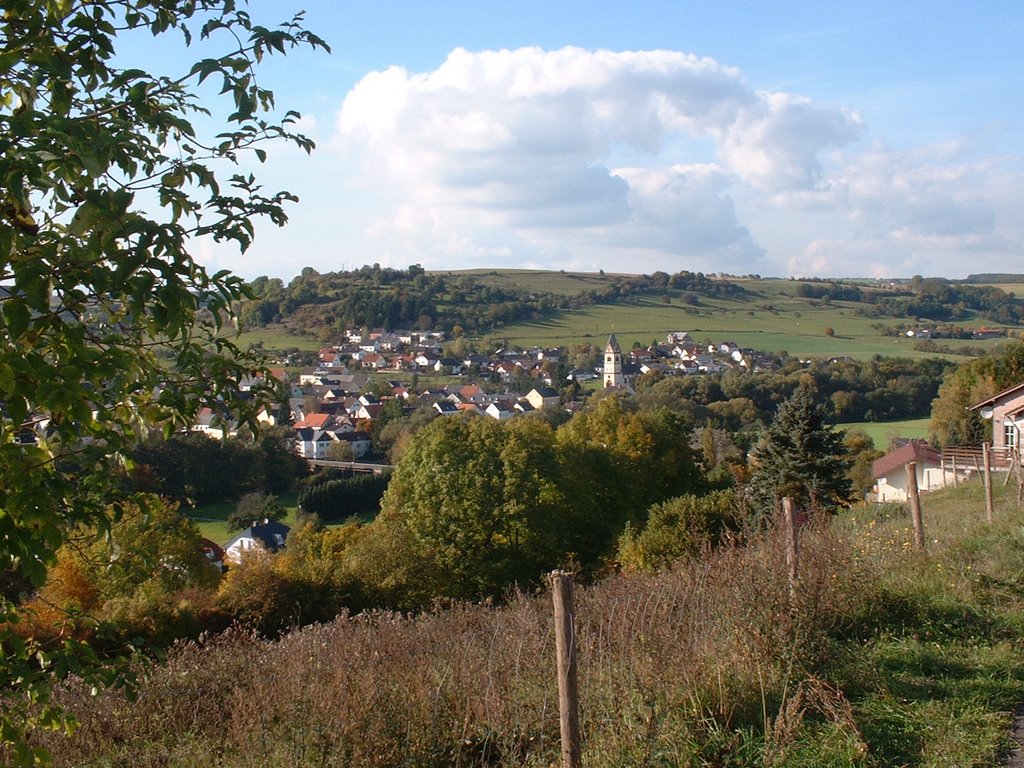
(105, 184)
(150, 579)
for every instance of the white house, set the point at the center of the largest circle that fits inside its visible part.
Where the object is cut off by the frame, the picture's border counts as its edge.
(268, 536)
(500, 410)
(890, 471)
(215, 425)
(543, 397)
(446, 408)
(359, 442)
(312, 443)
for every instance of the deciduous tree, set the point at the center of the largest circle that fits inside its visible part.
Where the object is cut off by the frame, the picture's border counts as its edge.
(106, 182)
(480, 501)
(615, 462)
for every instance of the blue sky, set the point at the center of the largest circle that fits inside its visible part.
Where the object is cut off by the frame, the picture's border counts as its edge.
(860, 139)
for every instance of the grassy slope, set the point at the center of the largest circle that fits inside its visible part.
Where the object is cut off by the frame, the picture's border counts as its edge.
(882, 431)
(212, 519)
(892, 657)
(564, 283)
(792, 324)
(279, 338)
(935, 680)
(772, 319)
(1015, 288)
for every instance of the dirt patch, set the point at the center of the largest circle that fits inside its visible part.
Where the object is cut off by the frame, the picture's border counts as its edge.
(1015, 758)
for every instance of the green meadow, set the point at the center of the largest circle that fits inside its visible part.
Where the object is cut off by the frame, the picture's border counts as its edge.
(1017, 289)
(278, 337)
(771, 318)
(212, 519)
(881, 432)
(769, 324)
(563, 283)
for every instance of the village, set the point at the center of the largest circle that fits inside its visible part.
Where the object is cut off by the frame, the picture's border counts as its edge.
(336, 401)
(333, 406)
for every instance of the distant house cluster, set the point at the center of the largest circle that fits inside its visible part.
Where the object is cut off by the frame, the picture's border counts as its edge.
(332, 410)
(329, 405)
(681, 354)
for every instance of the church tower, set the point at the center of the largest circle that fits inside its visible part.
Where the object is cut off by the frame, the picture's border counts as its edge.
(613, 364)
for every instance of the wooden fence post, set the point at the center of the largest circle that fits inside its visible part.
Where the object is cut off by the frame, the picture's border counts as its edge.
(986, 459)
(565, 648)
(792, 531)
(915, 504)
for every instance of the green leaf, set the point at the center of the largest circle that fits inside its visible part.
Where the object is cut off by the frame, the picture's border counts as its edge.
(80, 136)
(17, 316)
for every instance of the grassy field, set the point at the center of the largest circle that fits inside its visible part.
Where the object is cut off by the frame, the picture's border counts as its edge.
(1017, 289)
(278, 338)
(563, 283)
(771, 318)
(790, 325)
(882, 431)
(212, 519)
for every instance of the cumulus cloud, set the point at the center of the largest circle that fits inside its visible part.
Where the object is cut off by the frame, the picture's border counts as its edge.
(775, 144)
(585, 158)
(925, 211)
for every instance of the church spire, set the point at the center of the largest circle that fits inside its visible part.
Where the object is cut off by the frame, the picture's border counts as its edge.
(613, 363)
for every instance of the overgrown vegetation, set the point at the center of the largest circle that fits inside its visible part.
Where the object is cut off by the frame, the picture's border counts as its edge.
(881, 389)
(890, 657)
(334, 499)
(951, 421)
(195, 469)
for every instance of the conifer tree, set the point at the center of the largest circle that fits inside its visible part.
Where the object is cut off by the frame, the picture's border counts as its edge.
(800, 456)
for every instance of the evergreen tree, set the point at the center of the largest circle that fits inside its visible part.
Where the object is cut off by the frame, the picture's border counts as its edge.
(800, 456)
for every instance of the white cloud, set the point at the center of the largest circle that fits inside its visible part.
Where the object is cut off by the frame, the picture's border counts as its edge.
(650, 160)
(775, 143)
(928, 211)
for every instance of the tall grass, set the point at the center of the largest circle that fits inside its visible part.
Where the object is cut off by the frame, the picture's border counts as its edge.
(889, 656)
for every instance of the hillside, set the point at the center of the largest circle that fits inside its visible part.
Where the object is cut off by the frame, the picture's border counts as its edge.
(890, 656)
(858, 319)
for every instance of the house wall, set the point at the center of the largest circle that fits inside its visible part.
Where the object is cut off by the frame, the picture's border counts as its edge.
(1001, 419)
(235, 552)
(893, 487)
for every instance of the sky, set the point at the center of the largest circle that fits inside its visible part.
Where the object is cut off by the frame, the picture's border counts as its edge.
(868, 139)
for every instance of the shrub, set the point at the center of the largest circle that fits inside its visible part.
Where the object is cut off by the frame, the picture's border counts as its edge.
(677, 528)
(342, 498)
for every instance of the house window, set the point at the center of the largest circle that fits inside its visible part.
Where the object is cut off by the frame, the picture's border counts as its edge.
(1010, 434)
